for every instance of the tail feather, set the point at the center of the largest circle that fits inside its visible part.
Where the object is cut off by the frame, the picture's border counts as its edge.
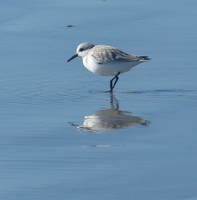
(144, 58)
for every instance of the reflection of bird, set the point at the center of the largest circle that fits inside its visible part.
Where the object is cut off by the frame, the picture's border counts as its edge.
(107, 61)
(110, 119)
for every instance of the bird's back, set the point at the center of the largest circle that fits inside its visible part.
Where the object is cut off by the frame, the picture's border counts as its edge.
(104, 54)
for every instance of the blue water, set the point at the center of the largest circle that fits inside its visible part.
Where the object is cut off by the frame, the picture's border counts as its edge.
(62, 136)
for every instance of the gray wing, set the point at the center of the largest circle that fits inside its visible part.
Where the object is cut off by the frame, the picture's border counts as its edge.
(104, 54)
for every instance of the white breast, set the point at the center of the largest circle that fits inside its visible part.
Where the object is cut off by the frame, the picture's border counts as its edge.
(107, 69)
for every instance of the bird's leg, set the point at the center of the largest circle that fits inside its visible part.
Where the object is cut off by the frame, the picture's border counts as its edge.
(116, 80)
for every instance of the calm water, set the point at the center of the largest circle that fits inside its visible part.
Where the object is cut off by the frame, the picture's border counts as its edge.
(63, 137)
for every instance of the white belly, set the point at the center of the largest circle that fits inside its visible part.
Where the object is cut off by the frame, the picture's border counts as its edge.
(109, 68)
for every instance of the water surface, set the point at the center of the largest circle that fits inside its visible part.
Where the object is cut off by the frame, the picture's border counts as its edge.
(62, 136)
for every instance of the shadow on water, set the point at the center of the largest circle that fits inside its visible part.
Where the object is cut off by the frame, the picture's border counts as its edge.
(110, 119)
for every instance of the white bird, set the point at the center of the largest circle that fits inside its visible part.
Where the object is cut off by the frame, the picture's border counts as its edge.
(107, 60)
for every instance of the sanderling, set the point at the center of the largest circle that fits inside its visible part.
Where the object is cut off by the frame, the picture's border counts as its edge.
(107, 60)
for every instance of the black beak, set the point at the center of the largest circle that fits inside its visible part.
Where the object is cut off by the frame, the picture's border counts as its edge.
(72, 57)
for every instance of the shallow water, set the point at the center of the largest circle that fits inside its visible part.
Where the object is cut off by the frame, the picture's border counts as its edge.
(62, 136)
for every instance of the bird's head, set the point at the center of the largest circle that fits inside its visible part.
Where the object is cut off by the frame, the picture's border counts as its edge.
(82, 50)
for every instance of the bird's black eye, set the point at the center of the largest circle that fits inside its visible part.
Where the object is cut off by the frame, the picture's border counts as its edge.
(81, 49)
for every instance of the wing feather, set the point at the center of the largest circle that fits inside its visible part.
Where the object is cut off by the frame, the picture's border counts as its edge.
(104, 54)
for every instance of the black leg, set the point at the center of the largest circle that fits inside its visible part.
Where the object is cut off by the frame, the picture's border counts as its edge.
(116, 80)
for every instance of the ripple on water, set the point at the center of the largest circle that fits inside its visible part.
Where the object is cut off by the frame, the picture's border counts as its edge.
(39, 93)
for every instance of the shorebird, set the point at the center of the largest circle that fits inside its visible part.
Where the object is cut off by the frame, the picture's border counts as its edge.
(106, 60)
